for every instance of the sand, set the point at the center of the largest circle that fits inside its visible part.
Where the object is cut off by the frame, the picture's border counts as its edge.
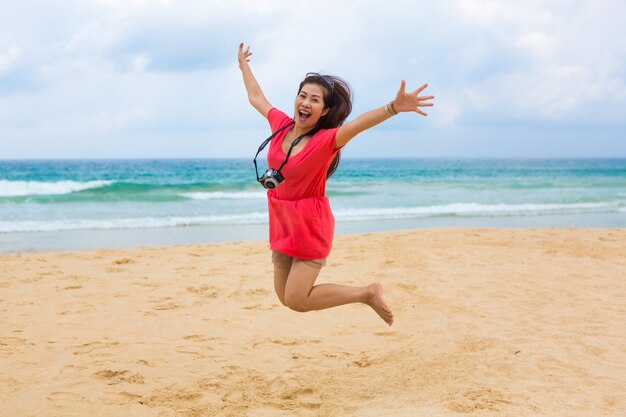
(489, 322)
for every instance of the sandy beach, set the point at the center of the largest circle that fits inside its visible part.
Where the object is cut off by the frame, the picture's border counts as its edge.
(489, 322)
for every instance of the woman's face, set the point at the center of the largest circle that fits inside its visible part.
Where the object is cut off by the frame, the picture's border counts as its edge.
(309, 106)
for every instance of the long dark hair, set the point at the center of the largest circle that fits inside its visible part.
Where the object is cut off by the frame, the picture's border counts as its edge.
(337, 97)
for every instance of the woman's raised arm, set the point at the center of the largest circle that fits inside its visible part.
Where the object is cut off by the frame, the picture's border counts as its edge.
(404, 102)
(255, 94)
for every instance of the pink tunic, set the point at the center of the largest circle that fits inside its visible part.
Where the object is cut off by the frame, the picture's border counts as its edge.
(301, 222)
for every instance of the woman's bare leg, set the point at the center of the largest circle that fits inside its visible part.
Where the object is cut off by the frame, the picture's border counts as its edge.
(280, 281)
(301, 294)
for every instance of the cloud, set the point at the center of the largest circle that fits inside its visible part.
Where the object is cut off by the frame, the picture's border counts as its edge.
(530, 62)
(8, 58)
(140, 67)
(571, 61)
(113, 121)
(179, 39)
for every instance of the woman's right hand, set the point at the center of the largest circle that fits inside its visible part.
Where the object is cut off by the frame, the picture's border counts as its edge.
(255, 94)
(244, 54)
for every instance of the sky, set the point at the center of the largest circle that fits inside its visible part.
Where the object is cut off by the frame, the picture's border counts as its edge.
(159, 78)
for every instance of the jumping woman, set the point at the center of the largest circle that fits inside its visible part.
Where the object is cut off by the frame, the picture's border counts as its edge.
(303, 153)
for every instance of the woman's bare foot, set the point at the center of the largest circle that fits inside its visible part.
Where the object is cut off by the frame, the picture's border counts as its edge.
(376, 301)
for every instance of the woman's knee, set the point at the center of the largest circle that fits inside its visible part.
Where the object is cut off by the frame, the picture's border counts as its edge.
(295, 303)
(299, 285)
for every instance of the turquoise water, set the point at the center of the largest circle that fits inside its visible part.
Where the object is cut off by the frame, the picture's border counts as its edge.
(65, 199)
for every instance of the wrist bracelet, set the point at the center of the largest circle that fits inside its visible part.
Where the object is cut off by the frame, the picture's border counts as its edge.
(393, 108)
(390, 109)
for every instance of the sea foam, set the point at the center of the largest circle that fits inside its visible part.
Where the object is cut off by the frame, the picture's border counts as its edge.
(468, 209)
(26, 188)
(129, 223)
(342, 214)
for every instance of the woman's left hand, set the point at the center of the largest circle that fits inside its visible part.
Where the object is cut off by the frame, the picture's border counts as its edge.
(412, 101)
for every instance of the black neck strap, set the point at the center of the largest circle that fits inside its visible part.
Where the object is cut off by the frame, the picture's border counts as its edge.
(293, 144)
(266, 141)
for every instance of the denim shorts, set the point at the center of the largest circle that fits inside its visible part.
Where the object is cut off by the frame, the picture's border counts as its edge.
(285, 261)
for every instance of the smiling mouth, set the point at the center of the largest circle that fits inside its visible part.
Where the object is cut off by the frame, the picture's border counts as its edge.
(303, 115)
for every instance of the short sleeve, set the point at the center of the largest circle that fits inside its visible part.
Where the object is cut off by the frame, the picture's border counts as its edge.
(277, 119)
(327, 140)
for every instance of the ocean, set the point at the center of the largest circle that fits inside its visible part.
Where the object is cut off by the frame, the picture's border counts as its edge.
(88, 204)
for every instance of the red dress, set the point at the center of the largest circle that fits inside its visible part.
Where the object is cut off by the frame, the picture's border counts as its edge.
(301, 223)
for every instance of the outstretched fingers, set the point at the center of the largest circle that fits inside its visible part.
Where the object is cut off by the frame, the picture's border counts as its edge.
(419, 90)
(421, 104)
(244, 54)
(412, 101)
(422, 99)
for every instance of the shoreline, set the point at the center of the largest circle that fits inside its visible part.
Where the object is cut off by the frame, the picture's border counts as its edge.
(525, 322)
(77, 240)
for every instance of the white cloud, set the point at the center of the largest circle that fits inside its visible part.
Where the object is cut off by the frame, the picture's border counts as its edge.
(569, 61)
(164, 65)
(114, 121)
(8, 58)
(540, 45)
(141, 62)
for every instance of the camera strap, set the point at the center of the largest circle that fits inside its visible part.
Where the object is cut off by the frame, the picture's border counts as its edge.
(266, 141)
(293, 144)
(263, 145)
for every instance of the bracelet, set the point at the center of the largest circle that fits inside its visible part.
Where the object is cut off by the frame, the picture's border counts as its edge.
(393, 108)
(390, 109)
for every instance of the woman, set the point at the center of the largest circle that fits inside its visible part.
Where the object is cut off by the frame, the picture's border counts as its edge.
(307, 147)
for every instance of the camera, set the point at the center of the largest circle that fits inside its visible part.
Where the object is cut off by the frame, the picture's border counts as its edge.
(271, 178)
